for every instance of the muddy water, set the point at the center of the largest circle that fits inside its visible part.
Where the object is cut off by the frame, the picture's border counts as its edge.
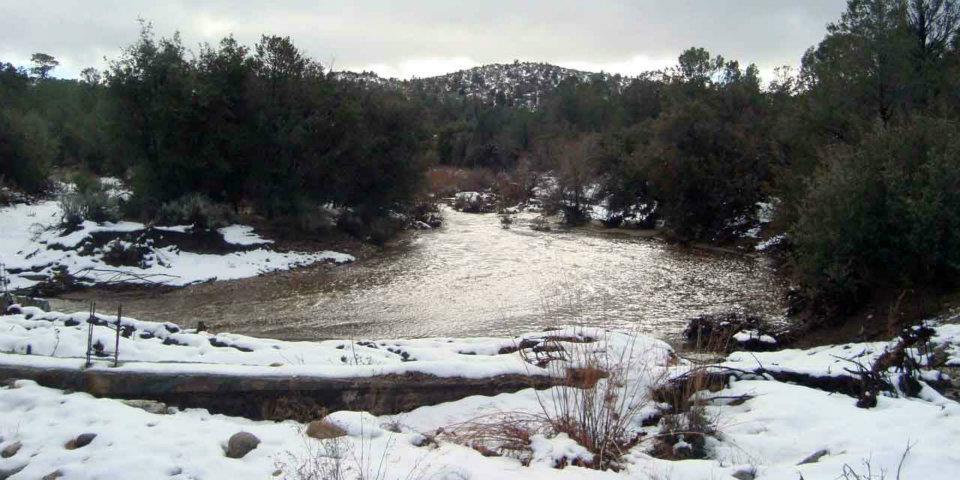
(474, 278)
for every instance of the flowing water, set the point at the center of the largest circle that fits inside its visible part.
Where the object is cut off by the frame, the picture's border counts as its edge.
(473, 278)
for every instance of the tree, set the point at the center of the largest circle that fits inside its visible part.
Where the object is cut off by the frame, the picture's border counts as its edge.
(882, 215)
(91, 76)
(43, 64)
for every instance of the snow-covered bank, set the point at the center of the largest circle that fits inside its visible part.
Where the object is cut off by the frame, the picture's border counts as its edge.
(54, 339)
(765, 429)
(33, 247)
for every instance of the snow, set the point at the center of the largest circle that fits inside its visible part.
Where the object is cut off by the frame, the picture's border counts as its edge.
(770, 432)
(242, 235)
(557, 451)
(58, 340)
(356, 424)
(745, 336)
(33, 245)
(783, 424)
(771, 242)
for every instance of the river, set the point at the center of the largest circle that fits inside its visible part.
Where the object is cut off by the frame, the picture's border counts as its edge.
(473, 278)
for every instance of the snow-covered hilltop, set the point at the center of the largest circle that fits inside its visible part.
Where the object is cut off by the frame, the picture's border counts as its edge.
(517, 84)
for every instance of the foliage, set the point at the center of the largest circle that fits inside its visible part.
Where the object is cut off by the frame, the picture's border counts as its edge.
(885, 213)
(26, 150)
(89, 200)
(206, 126)
(197, 210)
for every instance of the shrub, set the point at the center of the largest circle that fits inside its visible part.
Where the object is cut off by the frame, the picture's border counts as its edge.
(197, 210)
(89, 200)
(613, 396)
(883, 214)
(428, 212)
(378, 230)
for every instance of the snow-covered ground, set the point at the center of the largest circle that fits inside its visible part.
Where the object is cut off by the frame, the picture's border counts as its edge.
(54, 339)
(32, 246)
(767, 429)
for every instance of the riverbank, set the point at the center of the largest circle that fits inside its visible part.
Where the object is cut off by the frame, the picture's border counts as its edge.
(38, 252)
(758, 426)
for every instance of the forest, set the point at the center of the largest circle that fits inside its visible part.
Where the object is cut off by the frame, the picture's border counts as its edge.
(858, 148)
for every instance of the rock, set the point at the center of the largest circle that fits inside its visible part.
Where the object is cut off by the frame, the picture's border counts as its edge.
(754, 341)
(814, 457)
(54, 475)
(241, 444)
(10, 450)
(6, 473)
(322, 430)
(745, 474)
(150, 406)
(81, 441)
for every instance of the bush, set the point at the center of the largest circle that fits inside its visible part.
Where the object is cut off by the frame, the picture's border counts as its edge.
(378, 229)
(884, 214)
(89, 200)
(197, 210)
(428, 212)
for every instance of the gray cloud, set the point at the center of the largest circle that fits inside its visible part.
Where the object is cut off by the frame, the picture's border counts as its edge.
(430, 37)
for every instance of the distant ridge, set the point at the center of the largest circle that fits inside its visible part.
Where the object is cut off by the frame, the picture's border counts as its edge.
(520, 84)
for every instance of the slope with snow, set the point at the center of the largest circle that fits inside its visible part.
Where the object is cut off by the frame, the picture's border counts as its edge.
(33, 246)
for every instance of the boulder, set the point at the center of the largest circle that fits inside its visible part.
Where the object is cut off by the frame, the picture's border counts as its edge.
(81, 441)
(814, 457)
(241, 444)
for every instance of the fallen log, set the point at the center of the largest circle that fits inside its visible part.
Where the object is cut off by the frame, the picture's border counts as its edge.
(277, 397)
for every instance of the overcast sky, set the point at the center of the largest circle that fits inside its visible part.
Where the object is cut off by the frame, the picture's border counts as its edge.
(430, 37)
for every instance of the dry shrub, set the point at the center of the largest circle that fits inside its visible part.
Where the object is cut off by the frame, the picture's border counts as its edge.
(685, 424)
(505, 434)
(604, 414)
(293, 406)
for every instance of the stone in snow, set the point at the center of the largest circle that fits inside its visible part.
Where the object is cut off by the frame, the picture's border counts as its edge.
(11, 450)
(81, 441)
(241, 444)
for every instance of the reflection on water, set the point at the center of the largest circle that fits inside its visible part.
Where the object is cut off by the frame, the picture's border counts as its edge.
(474, 278)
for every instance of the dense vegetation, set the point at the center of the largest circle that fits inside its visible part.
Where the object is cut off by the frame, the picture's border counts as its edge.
(859, 148)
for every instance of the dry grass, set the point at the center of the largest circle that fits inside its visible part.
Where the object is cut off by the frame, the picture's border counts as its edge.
(604, 407)
(505, 434)
(603, 415)
(347, 458)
